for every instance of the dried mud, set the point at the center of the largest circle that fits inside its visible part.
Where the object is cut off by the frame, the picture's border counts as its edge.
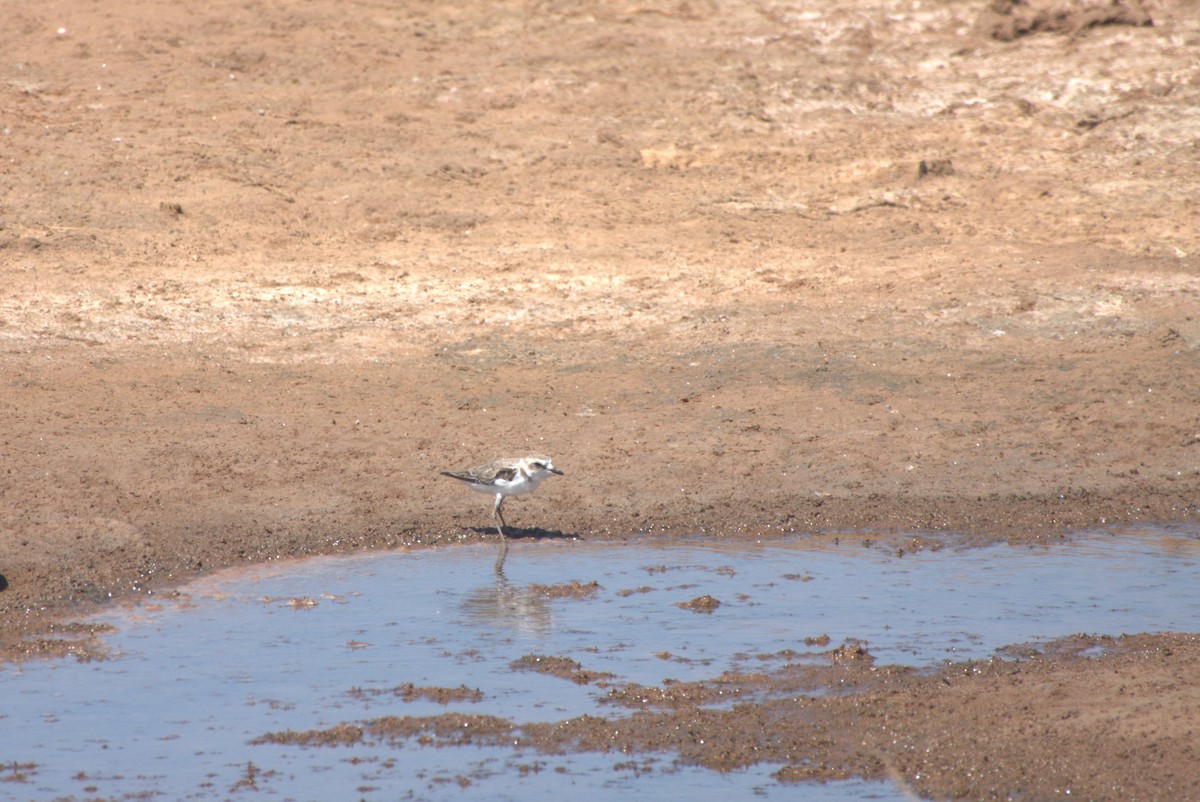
(742, 269)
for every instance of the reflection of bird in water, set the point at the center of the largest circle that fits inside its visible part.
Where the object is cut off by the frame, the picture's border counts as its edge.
(507, 476)
(510, 606)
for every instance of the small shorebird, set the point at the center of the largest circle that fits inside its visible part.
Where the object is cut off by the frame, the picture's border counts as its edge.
(507, 476)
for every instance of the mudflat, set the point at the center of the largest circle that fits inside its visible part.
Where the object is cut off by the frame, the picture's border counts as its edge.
(743, 269)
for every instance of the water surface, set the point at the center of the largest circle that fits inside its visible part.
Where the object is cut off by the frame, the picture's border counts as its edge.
(309, 644)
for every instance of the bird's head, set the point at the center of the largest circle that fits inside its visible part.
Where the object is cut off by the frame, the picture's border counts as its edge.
(538, 466)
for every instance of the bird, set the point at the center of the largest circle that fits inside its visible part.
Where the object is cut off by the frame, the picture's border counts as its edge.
(506, 476)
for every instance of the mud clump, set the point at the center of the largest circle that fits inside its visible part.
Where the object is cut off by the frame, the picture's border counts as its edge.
(672, 695)
(1007, 20)
(448, 729)
(820, 772)
(407, 692)
(338, 735)
(852, 653)
(562, 667)
(569, 590)
(700, 604)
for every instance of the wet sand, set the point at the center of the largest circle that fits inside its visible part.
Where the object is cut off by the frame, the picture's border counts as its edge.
(742, 270)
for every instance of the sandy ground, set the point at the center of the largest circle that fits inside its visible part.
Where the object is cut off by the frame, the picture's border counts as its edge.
(740, 268)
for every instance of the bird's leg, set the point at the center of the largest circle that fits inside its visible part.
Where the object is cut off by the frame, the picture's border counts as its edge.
(496, 514)
(499, 516)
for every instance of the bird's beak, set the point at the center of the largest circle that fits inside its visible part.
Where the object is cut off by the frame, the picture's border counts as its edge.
(555, 470)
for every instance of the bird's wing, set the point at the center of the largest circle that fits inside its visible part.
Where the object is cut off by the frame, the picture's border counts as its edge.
(483, 475)
(462, 476)
(507, 474)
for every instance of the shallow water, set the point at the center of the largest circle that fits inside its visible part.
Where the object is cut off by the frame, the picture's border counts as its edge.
(192, 681)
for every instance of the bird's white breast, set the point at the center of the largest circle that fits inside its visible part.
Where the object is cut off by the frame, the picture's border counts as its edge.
(517, 485)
